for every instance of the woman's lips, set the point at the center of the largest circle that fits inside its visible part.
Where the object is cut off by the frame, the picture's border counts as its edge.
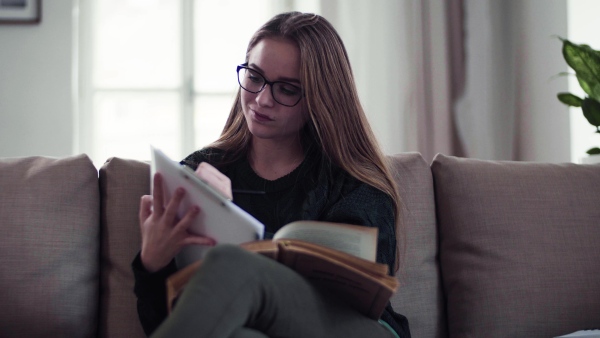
(260, 117)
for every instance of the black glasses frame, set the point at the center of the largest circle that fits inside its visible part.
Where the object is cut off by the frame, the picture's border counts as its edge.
(267, 82)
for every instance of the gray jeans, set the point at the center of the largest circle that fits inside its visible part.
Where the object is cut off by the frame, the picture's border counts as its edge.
(241, 294)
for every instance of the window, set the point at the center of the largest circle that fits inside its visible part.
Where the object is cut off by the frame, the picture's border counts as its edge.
(161, 72)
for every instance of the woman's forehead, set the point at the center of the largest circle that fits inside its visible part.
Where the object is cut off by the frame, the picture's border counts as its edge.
(276, 58)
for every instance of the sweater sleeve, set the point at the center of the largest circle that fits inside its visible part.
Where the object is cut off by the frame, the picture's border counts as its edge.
(151, 294)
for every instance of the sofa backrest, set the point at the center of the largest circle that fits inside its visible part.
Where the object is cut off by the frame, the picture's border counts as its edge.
(519, 246)
(49, 247)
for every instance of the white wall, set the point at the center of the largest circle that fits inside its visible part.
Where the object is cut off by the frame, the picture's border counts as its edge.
(36, 114)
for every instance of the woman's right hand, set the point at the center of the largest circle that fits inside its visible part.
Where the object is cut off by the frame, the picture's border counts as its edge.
(163, 233)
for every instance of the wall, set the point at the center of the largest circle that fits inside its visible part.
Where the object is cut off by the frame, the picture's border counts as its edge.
(36, 114)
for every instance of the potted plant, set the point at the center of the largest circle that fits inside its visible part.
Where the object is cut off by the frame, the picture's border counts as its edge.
(585, 61)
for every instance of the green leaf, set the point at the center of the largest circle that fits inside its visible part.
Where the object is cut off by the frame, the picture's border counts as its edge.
(570, 99)
(585, 61)
(591, 111)
(593, 151)
(590, 89)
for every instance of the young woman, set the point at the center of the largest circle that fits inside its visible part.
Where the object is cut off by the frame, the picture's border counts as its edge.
(298, 133)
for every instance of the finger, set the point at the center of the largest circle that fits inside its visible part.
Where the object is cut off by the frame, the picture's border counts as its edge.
(173, 206)
(145, 208)
(158, 194)
(188, 219)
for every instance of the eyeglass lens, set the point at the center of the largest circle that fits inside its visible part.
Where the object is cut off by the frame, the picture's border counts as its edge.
(283, 92)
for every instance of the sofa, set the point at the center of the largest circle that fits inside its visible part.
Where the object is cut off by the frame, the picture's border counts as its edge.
(489, 248)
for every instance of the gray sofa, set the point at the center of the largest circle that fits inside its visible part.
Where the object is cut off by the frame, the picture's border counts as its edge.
(490, 249)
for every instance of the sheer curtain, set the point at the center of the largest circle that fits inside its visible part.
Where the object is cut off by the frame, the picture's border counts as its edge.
(379, 37)
(473, 78)
(509, 110)
(400, 56)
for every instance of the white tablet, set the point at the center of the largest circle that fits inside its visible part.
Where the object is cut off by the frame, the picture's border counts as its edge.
(219, 218)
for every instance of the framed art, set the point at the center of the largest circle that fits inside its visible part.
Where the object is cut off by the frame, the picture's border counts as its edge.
(20, 11)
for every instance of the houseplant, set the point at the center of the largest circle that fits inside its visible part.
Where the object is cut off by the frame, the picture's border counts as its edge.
(585, 61)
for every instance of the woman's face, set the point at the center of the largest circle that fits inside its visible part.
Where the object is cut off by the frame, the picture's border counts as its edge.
(275, 59)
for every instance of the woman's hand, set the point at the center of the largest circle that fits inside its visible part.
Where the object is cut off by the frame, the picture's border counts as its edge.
(215, 179)
(163, 234)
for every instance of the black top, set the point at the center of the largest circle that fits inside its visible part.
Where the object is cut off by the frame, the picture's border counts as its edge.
(316, 190)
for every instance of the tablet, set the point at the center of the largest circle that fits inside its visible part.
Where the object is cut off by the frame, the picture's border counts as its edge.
(219, 218)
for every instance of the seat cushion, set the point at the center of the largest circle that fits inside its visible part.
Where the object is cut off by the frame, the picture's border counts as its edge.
(122, 184)
(49, 218)
(519, 246)
(419, 297)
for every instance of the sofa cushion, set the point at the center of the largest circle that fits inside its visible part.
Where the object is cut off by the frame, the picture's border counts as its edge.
(519, 246)
(419, 297)
(49, 217)
(122, 184)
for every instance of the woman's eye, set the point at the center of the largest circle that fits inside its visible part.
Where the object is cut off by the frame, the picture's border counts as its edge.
(288, 90)
(254, 78)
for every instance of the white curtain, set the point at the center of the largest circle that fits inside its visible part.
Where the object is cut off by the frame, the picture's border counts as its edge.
(485, 113)
(473, 78)
(379, 38)
(399, 55)
(509, 110)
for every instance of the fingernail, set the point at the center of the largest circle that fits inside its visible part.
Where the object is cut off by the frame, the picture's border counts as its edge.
(180, 191)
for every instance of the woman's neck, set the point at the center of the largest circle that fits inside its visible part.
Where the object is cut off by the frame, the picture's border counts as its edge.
(272, 160)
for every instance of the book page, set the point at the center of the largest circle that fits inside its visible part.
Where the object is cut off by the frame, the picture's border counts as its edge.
(360, 241)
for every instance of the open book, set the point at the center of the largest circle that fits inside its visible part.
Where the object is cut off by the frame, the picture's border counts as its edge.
(339, 257)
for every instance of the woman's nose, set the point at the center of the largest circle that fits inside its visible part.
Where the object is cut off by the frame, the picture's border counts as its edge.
(265, 97)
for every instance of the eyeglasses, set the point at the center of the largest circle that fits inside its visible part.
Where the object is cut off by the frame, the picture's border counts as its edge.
(283, 93)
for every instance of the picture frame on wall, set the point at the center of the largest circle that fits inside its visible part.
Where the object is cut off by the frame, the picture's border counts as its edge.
(20, 11)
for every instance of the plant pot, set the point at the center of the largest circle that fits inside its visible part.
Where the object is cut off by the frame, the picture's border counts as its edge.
(590, 159)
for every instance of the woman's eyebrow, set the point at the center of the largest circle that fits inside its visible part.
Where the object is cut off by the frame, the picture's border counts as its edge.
(285, 79)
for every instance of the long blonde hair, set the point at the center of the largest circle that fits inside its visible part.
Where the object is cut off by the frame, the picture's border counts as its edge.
(337, 121)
